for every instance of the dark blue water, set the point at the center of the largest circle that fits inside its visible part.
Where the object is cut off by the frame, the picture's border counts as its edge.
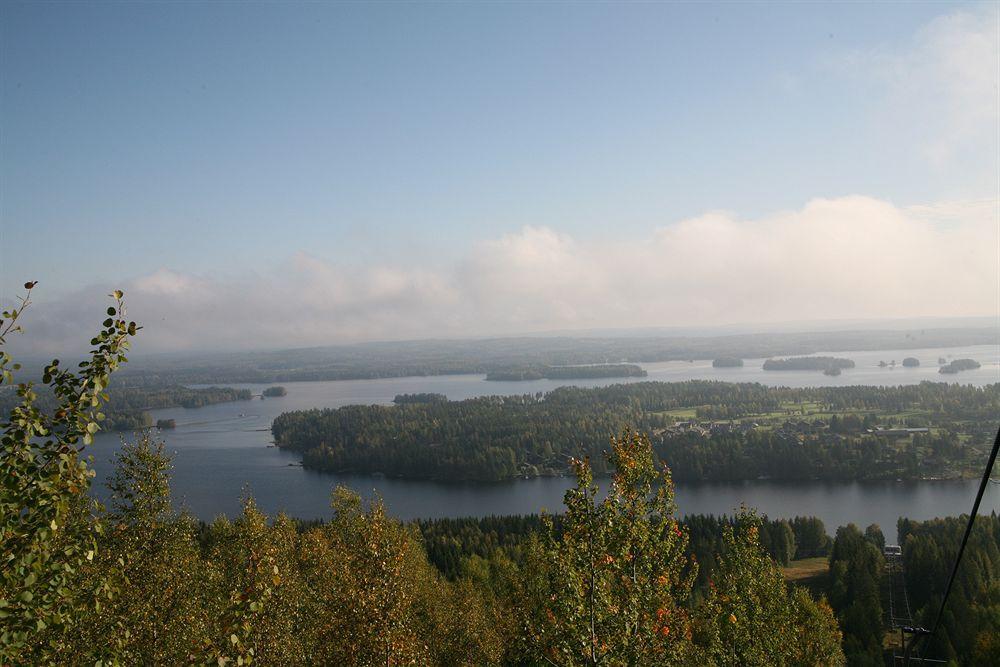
(222, 452)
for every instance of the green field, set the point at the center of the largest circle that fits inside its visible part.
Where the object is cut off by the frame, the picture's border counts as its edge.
(810, 573)
(680, 413)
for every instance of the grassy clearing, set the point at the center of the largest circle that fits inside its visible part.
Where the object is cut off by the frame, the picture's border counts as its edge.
(680, 413)
(802, 406)
(806, 570)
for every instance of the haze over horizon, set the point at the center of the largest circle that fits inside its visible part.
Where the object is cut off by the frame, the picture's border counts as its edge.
(341, 174)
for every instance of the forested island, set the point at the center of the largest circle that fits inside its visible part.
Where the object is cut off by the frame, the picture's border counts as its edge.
(911, 362)
(807, 364)
(705, 430)
(128, 406)
(727, 362)
(566, 372)
(959, 365)
(403, 399)
(272, 392)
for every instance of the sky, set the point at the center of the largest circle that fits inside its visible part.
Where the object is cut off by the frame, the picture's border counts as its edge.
(280, 175)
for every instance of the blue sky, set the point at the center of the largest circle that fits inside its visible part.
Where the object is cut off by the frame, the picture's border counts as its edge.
(215, 144)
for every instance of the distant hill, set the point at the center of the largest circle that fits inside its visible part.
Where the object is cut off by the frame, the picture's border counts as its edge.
(444, 357)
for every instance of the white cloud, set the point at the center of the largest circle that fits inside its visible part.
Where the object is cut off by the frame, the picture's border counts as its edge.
(943, 84)
(850, 257)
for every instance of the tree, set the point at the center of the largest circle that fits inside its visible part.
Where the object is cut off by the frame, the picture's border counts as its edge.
(616, 580)
(873, 534)
(159, 613)
(752, 618)
(810, 537)
(46, 539)
(614, 587)
(856, 570)
(259, 592)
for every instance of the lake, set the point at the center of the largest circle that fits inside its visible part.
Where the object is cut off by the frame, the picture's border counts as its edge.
(222, 451)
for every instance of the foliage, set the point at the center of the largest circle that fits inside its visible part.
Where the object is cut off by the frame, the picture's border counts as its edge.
(811, 539)
(616, 576)
(419, 398)
(46, 538)
(496, 438)
(149, 558)
(453, 543)
(970, 625)
(133, 584)
(615, 585)
(856, 571)
(611, 581)
(751, 618)
(126, 407)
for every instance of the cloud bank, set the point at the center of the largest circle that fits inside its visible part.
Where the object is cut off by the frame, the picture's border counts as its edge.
(850, 257)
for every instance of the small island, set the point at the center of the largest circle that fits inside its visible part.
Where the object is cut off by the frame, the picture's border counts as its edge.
(833, 370)
(271, 392)
(163, 424)
(727, 362)
(807, 364)
(959, 365)
(911, 362)
(566, 372)
(403, 399)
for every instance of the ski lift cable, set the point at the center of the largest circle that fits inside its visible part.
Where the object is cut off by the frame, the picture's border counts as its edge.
(968, 530)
